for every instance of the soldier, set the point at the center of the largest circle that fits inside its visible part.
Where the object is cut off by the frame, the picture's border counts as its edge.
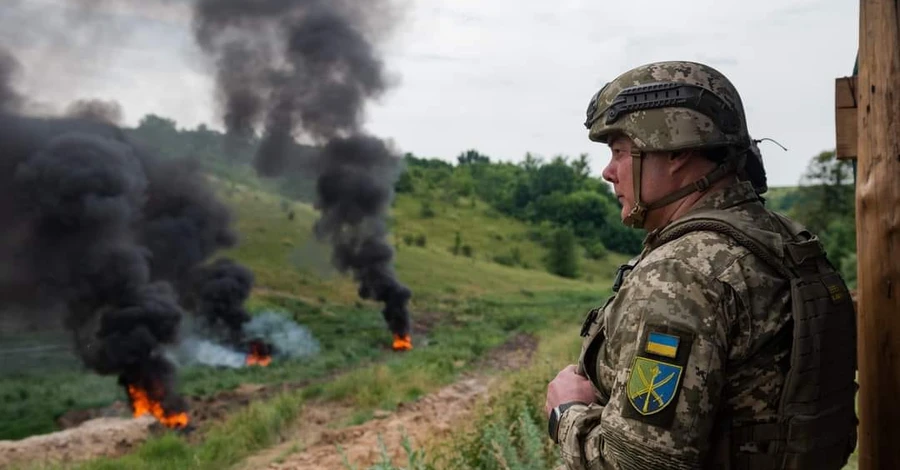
(729, 342)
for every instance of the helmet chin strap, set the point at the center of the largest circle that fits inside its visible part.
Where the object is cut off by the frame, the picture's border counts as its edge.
(637, 217)
(638, 214)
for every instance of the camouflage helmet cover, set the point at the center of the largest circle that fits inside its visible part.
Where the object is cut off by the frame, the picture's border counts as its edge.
(669, 106)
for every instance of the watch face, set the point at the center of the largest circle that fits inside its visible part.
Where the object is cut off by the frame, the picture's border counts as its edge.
(554, 421)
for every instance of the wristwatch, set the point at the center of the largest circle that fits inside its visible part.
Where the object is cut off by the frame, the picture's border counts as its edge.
(555, 415)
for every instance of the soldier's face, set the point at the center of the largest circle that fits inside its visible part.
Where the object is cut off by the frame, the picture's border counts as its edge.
(618, 172)
(654, 171)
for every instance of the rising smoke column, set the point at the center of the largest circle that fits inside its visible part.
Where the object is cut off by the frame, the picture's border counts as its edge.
(184, 224)
(77, 188)
(305, 69)
(109, 112)
(110, 236)
(217, 295)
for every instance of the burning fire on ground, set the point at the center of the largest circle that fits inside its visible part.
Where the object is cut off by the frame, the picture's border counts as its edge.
(402, 342)
(260, 354)
(142, 404)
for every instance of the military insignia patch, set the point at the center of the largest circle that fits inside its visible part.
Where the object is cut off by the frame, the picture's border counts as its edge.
(656, 375)
(652, 385)
(662, 344)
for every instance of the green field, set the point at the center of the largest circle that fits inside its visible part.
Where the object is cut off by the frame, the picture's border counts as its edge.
(466, 302)
(470, 304)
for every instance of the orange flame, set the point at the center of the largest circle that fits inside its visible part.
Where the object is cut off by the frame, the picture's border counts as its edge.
(257, 357)
(402, 342)
(142, 404)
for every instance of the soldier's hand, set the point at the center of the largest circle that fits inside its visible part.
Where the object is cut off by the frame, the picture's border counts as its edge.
(567, 387)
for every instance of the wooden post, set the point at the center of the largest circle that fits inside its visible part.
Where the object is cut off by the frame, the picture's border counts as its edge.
(845, 117)
(878, 234)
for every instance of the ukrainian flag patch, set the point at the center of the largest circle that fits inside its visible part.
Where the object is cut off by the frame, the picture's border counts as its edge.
(662, 344)
(657, 374)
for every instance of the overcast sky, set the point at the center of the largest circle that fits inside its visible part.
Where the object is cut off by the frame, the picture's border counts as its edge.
(504, 77)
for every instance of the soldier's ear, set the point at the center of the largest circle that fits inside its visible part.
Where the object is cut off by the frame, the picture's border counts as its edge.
(678, 159)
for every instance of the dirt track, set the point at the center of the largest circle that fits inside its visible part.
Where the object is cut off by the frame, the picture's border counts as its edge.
(95, 438)
(429, 418)
(311, 445)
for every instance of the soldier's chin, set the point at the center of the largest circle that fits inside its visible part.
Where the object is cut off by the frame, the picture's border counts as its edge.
(626, 209)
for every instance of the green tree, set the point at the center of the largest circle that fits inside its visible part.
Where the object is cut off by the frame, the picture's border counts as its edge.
(617, 237)
(595, 250)
(826, 192)
(826, 205)
(586, 211)
(472, 156)
(562, 256)
(556, 176)
(462, 183)
(405, 183)
(581, 167)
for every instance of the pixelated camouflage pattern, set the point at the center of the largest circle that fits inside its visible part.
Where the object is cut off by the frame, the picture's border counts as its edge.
(732, 301)
(667, 129)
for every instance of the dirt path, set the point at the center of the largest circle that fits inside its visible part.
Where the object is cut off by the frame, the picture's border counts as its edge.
(313, 446)
(94, 438)
(312, 443)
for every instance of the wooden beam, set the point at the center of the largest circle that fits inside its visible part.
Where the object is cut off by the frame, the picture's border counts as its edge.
(878, 234)
(845, 99)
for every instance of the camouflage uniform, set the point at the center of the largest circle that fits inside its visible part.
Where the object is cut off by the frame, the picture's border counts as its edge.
(721, 304)
(696, 342)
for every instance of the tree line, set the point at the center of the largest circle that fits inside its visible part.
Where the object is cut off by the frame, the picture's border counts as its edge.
(559, 196)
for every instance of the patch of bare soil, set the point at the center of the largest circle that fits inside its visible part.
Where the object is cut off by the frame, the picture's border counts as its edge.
(201, 410)
(430, 418)
(95, 438)
(111, 432)
(204, 410)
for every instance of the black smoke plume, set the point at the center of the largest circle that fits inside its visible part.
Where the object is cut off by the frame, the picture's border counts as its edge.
(217, 295)
(109, 112)
(113, 237)
(184, 225)
(76, 188)
(304, 69)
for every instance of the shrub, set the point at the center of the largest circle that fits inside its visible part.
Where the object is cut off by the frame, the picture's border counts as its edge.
(426, 211)
(562, 259)
(595, 250)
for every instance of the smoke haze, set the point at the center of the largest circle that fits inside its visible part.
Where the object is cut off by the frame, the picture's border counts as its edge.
(303, 70)
(111, 237)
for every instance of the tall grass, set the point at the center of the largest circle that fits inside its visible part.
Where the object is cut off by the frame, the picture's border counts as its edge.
(474, 304)
(471, 332)
(509, 431)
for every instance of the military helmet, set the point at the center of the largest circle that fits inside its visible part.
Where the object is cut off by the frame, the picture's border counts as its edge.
(670, 106)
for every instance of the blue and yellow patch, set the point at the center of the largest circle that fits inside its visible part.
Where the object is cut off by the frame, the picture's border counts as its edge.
(657, 374)
(652, 385)
(662, 344)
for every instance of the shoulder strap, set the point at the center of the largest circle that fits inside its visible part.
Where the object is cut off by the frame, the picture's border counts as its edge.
(804, 246)
(710, 221)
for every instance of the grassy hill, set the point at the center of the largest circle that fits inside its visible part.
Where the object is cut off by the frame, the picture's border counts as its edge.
(464, 305)
(285, 257)
(468, 304)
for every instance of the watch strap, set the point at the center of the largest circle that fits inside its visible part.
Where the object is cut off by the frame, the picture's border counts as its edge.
(556, 416)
